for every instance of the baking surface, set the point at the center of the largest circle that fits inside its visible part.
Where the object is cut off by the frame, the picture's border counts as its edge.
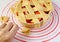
(53, 36)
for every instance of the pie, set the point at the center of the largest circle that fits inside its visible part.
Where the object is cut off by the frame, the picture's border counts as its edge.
(26, 30)
(32, 13)
(4, 19)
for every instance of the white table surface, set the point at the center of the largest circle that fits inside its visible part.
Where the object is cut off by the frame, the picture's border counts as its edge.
(4, 2)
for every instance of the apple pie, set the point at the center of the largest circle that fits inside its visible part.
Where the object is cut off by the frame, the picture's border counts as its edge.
(4, 19)
(32, 13)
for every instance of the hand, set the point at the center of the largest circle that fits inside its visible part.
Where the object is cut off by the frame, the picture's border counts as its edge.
(7, 32)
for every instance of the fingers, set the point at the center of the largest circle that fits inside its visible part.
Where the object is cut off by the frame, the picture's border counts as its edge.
(2, 26)
(8, 32)
(13, 30)
(8, 27)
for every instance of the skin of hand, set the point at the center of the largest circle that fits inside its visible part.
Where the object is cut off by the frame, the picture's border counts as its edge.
(7, 31)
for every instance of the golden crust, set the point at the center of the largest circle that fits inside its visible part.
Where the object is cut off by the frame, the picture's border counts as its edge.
(32, 13)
